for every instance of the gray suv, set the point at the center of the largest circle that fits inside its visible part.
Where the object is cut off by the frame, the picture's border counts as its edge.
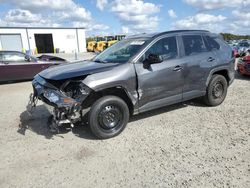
(137, 74)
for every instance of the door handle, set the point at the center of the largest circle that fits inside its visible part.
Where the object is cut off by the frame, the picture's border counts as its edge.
(177, 68)
(210, 59)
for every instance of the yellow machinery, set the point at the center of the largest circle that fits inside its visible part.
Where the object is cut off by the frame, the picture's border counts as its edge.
(110, 40)
(113, 39)
(91, 45)
(100, 45)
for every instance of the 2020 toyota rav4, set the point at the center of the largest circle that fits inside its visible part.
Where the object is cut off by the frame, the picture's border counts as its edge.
(137, 74)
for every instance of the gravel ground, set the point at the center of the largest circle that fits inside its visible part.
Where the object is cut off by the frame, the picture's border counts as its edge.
(184, 145)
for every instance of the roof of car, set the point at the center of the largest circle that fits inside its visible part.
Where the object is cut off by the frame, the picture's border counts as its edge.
(154, 35)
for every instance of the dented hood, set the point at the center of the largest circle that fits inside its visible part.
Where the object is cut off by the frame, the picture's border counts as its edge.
(71, 70)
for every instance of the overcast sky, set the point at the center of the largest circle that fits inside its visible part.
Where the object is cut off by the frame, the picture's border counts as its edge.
(129, 16)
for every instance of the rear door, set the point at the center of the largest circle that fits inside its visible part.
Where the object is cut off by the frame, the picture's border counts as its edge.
(198, 62)
(162, 83)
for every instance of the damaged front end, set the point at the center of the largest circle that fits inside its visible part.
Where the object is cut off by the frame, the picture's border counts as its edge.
(63, 98)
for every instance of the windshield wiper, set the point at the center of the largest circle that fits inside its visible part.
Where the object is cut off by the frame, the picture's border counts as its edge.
(99, 61)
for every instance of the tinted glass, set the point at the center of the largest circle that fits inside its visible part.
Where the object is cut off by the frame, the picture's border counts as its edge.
(211, 43)
(193, 44)
(13, 57)
(166, 48)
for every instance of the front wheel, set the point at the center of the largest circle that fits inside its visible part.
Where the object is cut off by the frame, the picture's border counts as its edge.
(108, 117)
(216, 90)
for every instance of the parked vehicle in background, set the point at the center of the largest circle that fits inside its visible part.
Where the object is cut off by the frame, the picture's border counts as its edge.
(236, 53)
(110, 40)
(91, 45)
(243, 46)
(120, 37)
(114, 39)
(138, 74)
(100, 45)
(19, 66)
(243, 65)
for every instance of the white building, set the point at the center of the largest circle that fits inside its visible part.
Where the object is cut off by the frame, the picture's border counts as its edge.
(43, 39)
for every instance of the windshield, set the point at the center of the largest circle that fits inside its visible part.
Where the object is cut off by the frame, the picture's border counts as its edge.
(120, 52)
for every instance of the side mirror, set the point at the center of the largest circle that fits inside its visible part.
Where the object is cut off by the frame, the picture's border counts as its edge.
(27, 58)
(151, 59)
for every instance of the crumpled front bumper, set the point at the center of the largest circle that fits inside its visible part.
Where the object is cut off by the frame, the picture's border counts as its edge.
(64, 109)
(44, 91)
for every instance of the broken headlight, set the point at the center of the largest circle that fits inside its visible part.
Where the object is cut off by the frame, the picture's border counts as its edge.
(52, 96)
(56, 97)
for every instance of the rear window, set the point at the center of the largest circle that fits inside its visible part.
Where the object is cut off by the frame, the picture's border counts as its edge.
(211, 43)
(193, 44)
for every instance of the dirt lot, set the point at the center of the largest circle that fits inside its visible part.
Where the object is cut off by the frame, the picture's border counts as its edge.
(184, 145)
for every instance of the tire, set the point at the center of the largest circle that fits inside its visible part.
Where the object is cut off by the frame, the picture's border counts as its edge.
(108, 117)
(216, 90)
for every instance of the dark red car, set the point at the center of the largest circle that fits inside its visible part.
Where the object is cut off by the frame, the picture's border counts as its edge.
(243, 65)
(19, 66)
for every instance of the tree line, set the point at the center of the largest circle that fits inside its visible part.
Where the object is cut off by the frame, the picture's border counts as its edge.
(229, 36)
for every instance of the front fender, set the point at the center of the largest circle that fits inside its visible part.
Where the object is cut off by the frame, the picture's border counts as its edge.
(122, 76)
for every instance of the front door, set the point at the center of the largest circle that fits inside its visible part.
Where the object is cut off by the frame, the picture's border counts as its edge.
(161, 84)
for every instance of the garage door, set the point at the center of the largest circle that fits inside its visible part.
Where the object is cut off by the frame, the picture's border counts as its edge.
(11, 42)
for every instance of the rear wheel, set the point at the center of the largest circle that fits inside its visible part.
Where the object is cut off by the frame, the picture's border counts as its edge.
(108, 117)
(216, 90)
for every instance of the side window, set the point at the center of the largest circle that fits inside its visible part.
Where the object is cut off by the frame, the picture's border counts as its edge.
(193, 44)
(13, 57)
(166, 48)
(211, 43)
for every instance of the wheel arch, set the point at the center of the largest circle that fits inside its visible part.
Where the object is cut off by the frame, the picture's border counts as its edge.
(220, 71)
(118, 91)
